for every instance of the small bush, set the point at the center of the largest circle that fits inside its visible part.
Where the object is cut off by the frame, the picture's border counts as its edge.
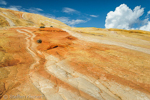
(42, 26)
(51, 26)
(39, 41)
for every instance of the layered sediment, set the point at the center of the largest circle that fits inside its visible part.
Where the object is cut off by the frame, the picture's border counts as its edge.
(72, 63)
(67, 67)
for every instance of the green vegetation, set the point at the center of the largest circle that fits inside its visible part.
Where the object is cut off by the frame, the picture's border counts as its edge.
(39, 41)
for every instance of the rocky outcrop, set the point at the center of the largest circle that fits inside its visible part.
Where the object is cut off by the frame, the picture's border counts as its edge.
(16, 18)
(73, 63)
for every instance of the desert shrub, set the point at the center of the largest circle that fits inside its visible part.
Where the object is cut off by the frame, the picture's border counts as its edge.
(42, 26)
(39, 41)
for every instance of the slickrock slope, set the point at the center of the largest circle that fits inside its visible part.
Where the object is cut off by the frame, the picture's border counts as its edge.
(73, 63)
(15, 18)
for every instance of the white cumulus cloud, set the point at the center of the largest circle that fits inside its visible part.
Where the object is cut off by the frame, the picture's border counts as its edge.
(148, 12)
(146, 27)
(94, 15)
(70, 10)
(123, 17)
(3, 2)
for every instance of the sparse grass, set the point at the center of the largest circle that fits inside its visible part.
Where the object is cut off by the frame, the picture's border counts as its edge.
(139, 34)
(91, 31)
(136, 34)
(131, 31)
(1, 55)
(3, 22)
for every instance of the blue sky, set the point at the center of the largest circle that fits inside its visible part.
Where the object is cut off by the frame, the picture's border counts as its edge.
(85, 13)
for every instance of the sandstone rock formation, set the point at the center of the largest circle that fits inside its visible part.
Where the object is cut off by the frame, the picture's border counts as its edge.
(71, 63)
(15, 18)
